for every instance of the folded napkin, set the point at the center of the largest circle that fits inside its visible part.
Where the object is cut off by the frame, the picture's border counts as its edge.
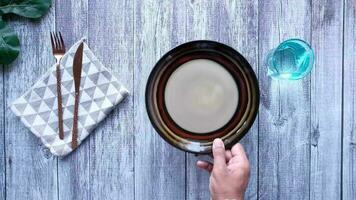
(100, 92)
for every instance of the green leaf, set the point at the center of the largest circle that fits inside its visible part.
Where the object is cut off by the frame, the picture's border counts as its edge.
(9, 44)
(25, 8)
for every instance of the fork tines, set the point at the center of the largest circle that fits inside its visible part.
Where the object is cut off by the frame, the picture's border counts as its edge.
(57, 42)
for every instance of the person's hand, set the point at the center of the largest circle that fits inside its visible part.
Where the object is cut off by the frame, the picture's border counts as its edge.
(230, 172)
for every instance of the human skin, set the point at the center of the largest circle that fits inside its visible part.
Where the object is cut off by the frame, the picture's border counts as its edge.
(229, 174)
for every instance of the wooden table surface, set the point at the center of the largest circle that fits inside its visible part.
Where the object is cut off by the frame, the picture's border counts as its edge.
(302, 145)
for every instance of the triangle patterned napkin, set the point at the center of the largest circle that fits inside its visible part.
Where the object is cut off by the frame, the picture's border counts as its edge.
(100, 92)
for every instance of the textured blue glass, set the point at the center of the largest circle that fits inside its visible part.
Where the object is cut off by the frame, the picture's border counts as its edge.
(293, 59)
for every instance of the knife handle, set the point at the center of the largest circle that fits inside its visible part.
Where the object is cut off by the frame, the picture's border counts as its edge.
(59, 101)
(75, 122)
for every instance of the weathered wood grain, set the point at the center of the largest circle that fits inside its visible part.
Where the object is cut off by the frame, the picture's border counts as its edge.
(159, 168)
(111, 160)
(326, 100)
(2, 136)
(349, 108)
(233, 23)
(31, 170)
(284, 151)
(73, 170)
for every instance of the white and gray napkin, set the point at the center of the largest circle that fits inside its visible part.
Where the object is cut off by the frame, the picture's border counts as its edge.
(100, 92)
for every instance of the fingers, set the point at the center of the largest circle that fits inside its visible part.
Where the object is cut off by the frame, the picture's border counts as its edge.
(219, 154)
(238, 154)
(238, 150)
(205, 165)
(228, 155)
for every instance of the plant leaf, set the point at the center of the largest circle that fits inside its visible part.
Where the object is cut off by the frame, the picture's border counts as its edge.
(25, 8)
(9, 44)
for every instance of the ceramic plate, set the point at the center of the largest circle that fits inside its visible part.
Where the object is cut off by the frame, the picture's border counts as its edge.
(243, 75)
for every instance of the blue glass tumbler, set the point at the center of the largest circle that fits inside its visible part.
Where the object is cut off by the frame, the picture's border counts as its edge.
(293, 59)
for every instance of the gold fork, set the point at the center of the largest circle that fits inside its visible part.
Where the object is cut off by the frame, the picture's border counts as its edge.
(58, 50)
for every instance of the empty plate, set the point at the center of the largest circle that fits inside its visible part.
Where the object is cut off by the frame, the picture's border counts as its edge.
(200, 91)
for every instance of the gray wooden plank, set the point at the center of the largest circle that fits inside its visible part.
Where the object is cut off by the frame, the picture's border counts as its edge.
(233, 23)
(2, 136)
(284, 117)
(326, 100)
(31, 170)
(159, 168)
(110, 26)
(349, 108)
(72, 20)
(73, 170)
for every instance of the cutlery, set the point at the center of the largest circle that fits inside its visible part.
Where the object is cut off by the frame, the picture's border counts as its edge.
(77, 71)
(58, 50)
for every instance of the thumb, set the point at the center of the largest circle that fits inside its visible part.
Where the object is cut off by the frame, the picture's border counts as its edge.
(219, 154)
